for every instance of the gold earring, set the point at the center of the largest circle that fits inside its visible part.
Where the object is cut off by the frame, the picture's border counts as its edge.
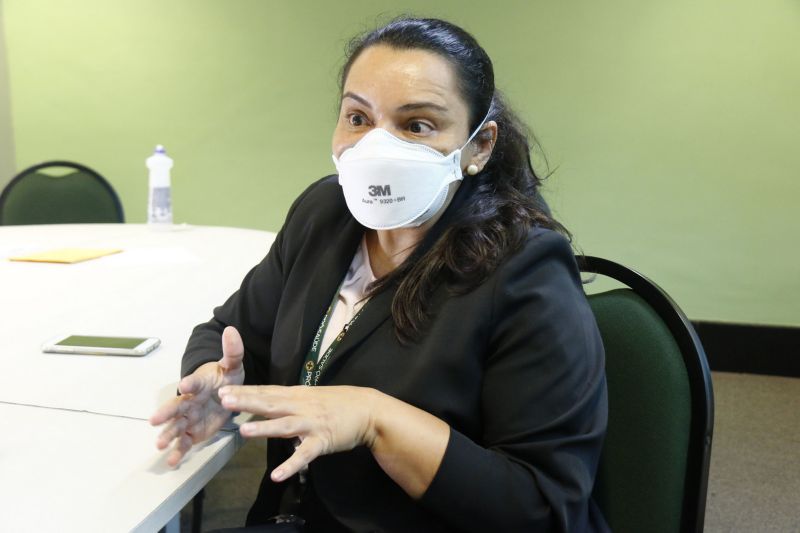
(472, 169)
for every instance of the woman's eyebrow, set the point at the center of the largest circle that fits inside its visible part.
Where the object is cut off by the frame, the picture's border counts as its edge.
(422, 105)
(413, 106)
(357, 98)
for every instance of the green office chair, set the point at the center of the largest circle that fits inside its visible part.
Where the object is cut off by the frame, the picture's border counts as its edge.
(44, 194)
(653, 473)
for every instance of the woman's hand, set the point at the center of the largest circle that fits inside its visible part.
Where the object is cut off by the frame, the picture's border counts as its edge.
(325, 419)
(407, 443)
(196, 414)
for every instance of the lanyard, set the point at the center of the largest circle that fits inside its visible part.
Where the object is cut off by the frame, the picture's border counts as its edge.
(313, 365)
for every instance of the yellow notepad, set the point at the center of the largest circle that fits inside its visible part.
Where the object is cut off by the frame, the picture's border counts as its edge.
(66, 255)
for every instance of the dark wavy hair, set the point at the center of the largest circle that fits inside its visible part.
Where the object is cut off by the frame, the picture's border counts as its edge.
(487, 220)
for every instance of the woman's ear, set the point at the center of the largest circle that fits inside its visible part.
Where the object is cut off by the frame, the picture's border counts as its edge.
(484, 145)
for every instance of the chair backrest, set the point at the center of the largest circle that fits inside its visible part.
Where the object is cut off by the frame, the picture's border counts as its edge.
(45, 194)
(653, 473)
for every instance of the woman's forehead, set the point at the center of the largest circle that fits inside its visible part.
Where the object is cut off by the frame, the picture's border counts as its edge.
(393, 77)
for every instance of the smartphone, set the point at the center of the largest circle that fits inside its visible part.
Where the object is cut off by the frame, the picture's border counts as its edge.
(94, 345)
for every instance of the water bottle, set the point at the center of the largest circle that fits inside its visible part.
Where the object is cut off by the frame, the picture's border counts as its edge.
(159, 205)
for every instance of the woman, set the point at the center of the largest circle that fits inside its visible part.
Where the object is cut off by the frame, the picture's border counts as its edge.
(452, 373)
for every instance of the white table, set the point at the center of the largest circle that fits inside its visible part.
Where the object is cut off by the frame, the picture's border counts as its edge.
(76, 452)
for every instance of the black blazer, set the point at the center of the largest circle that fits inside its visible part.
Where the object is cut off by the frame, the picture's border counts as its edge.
(515, 367)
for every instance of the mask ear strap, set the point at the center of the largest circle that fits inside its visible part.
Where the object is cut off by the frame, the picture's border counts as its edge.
(474, 133)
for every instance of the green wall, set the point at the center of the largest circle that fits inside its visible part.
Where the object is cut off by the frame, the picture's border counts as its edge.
(7, 155)
(673, 126)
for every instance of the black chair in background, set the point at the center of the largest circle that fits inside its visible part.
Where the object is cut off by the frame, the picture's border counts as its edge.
(653, 473)
(59, 192)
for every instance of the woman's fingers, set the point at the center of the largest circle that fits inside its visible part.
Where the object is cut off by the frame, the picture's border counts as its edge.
(167, 411)
(195, 415)
(189, 387)
(183, 444)
(191, 384)
(175, 428)
(267, 400)
(284, 427)
(232, 350)
(309, 449)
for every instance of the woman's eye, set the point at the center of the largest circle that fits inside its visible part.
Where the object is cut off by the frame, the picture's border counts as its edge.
(356, 120)
(418, 127)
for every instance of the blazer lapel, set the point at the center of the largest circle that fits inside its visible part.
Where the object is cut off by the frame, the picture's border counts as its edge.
(376, 311)
(325, 281)
(328, 275)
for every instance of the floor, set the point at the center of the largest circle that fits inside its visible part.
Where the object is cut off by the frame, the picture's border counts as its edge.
(754, 482)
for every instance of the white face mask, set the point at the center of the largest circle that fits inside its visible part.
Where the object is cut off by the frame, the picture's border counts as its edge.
(390, 183)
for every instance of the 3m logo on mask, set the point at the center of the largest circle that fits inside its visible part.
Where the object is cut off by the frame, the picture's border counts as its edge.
(380, 190)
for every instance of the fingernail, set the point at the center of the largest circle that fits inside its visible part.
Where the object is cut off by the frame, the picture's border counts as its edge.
(228, 401)
(246, 429)
(277, 475)
(224, 390)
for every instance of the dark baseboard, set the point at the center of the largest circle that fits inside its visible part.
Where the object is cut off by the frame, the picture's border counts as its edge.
(752, 349)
